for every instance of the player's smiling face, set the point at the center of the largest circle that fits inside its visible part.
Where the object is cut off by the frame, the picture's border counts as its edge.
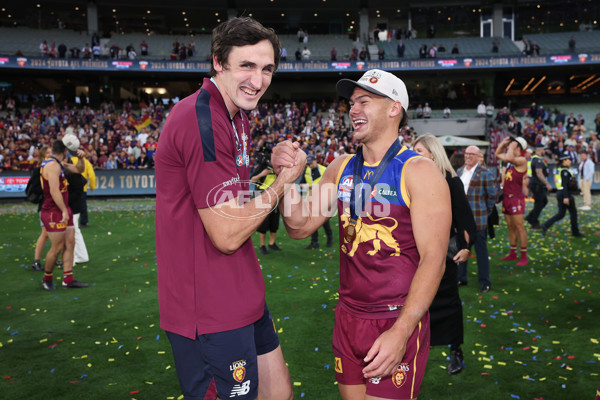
(246, 75)
(368, 114)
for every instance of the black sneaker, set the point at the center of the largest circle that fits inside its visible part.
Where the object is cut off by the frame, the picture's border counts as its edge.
(74, 285)
(263, 250)
(544, 230)
(462, 283)
(48, 285)
(456, 361)
(274, 247)
(37, 266)
(578, 234)
(329, 242)
(484, 288)
(312, 246)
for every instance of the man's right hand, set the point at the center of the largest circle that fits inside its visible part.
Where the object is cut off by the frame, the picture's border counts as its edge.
(291, 173)
(284, 155)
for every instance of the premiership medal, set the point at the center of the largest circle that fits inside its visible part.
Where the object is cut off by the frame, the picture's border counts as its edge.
(357, 197)
(350, 232)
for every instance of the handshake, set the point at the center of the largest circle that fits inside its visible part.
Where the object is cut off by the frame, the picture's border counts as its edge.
(288, 161)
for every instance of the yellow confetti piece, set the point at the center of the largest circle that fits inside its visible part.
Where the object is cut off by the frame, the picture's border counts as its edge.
(297, 383)
(149, 383)
(595, 341)
(43, 340)
(563, 378)
(84, 356)
(487, 366)
(89, 365)
(168, 367)
(160, 352)
(555, 342)
(180, 397)
(501, 363)
(111, 360)
(542, 379)
(519, 362)
(525, 376)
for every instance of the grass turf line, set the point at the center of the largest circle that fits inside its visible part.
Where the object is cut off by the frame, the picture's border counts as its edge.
(533, 336)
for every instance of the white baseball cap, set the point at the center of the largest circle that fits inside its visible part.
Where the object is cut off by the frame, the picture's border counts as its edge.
(522, 142)
(379, 82)
(71, 142)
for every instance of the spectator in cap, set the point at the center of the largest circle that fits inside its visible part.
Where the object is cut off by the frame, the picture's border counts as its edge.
(539, 185)
(566, 186)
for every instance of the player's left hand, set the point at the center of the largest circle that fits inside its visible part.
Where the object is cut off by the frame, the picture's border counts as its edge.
(80, 153)
(385, 355)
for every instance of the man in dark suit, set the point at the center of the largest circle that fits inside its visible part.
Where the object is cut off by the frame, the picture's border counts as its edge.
(481, 193)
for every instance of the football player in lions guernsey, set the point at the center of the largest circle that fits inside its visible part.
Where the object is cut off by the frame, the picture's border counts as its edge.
(394, 210)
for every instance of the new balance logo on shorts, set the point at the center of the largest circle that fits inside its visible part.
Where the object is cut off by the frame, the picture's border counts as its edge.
(240, 390)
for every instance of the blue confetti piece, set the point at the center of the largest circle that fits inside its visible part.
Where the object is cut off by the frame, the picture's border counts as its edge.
(157, 337)
(83, 376)
(52, 370)
(324, 305)
(302, 394)
(14, 333)
(316, 349)
(119, 348)
(327, 366)
(286, 318)
(515, 396)
(269, 276)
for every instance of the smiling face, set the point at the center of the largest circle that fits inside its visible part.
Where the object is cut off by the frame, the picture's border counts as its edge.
(246, 75)
(369, 114)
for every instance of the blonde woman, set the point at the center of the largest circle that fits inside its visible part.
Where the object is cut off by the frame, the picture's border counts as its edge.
(446, 308)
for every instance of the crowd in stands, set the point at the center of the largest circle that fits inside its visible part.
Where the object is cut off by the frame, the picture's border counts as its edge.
(127, 139)
(96, 50)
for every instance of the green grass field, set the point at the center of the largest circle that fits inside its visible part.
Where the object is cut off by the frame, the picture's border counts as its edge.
(534, 336)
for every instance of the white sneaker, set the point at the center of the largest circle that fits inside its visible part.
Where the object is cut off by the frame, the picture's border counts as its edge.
(585, 208)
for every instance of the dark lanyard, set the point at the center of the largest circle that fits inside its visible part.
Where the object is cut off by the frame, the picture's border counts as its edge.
(357, 180)
(62, 168)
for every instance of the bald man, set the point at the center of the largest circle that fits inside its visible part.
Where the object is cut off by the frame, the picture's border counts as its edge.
(481, 193)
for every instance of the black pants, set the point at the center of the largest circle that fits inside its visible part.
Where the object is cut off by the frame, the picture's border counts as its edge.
(540, 195)
(562, 210)
(314, 238)
(84, 211)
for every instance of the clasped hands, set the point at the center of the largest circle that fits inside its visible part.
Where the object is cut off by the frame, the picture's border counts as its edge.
(288, 160)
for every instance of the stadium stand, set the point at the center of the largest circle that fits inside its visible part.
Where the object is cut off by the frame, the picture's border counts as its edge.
(553, 43)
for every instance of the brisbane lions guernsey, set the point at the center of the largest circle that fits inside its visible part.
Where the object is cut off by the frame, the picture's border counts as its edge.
(377, 267)
(49, 204)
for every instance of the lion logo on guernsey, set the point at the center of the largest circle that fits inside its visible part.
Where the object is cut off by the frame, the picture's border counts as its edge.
(399, 377)
(375, 232)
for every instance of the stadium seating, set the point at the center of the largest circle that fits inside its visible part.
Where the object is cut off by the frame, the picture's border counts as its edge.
(556, 43)
(468, 46)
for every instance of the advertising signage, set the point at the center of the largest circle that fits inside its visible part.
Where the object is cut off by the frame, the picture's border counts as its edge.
(160, 66)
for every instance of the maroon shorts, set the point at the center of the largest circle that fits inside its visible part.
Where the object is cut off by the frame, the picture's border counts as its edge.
(352, 339)
(52, 218)
(513, 205)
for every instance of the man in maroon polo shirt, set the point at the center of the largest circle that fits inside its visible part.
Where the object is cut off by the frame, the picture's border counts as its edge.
(210, 287)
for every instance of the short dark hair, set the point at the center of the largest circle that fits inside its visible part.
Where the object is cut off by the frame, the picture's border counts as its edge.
(241, 31)
(58, 147)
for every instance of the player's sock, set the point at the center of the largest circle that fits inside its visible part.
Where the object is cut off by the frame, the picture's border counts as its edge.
(47, 276)
(512, 255)
(523, 260)
(68, 277)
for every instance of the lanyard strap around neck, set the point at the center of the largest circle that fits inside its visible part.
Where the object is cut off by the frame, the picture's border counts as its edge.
(357, 180)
